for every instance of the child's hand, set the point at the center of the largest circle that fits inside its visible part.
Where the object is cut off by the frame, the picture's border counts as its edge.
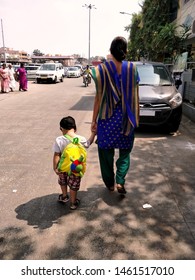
(57, 171)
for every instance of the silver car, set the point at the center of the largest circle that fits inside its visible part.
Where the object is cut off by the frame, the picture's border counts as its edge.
(73, 72)
(31, 71)
(160, 102)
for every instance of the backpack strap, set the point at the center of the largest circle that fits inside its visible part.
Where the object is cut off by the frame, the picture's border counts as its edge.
(74, 140)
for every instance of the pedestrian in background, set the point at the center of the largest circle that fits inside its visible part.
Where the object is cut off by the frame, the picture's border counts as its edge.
(22, 78)
(4, 77)
(115, 113)
(11, 73)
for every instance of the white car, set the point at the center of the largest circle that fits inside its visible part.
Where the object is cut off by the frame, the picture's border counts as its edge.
(73, 72)
(80, 67)
(65, 71)
(31, 71)
(50, 72)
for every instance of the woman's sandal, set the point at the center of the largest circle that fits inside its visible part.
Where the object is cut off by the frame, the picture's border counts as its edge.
(75, 205)
(111, 189)
(63, 199)
(121, 189)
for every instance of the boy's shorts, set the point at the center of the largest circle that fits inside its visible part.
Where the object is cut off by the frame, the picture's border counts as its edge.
(69, 180)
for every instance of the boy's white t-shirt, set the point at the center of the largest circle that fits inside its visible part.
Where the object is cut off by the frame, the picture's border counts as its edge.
(61, 142)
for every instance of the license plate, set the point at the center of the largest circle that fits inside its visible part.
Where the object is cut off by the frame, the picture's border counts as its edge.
(147, 113)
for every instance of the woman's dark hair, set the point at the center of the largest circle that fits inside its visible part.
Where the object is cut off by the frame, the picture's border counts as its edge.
(68, 123)
(118, 48)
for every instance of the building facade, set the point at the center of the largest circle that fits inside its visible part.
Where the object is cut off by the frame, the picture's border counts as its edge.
(13, 56)
(65, 60)
(186, 17)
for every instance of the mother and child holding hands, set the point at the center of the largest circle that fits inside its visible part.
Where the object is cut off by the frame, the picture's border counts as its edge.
(114, 119)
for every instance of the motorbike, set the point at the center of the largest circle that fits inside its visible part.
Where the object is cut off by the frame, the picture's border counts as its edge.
(177, 78)
(86, 79)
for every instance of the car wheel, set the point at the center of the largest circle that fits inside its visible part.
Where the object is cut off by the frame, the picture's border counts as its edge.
(173, 123)
(172, 126)
(62, 79)
(38, 81)
(55, 80)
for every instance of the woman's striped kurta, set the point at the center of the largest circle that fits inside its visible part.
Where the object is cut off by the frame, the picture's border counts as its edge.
(119, 104)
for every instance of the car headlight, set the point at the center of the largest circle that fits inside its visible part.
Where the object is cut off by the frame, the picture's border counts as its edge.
(50, 75)
(37, 75)
(176, 100)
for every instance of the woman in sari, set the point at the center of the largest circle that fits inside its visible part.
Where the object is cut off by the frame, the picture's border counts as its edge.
(115, 113)
(4, 77)
(12, 82)
(22, 77)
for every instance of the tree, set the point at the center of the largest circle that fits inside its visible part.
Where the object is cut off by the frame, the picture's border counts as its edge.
(135, 37)
(152, 34)
(37, 52)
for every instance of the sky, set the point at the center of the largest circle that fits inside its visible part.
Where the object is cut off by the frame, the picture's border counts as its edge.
(62, 26)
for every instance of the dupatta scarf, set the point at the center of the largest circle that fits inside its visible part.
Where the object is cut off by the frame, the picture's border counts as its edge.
(111, 90)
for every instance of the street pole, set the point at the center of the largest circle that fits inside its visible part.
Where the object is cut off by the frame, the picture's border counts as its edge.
(89, 48)
(89, 55)
(3, 41)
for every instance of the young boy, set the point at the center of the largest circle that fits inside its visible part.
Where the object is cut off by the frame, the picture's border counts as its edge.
(68, 126)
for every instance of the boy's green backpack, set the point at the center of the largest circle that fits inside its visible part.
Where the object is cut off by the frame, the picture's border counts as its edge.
(73, 158)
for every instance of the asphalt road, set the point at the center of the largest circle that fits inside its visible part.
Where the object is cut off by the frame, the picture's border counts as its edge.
(34, 226)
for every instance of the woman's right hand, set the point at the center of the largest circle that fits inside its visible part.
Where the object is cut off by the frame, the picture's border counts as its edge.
(94, 127)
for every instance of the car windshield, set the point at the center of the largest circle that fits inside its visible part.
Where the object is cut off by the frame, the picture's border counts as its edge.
(73, 69)
(47, 67)
(31, 67)
(153, 75)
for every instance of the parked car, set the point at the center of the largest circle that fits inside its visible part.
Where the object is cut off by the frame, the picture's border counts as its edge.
(65, 71)
(73, 72)
(91, 66)
(160, 102)
(16, 67)
(80, 67)
(50, 72)
(31, 71)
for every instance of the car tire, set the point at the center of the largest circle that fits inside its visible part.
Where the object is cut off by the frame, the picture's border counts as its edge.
(38, 81)
(55, 80)
(172, 126)
(62, 79)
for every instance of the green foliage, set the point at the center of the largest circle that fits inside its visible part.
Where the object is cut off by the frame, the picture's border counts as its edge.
(152, 35)
(37, 53)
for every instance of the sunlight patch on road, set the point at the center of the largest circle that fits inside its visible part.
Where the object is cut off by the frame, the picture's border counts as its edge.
(190, 146)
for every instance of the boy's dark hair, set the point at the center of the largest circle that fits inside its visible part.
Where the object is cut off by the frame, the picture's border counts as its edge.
(68, 123)
(118, 48)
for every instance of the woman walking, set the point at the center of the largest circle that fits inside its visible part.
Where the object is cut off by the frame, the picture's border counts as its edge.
(12, 82)
(22, 77)
(4, 77)
(115, 113)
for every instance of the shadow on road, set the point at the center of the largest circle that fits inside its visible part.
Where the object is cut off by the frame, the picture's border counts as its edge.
(105, 226)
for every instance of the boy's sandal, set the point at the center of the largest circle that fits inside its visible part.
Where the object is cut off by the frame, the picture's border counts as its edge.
(75, 205)
(121, 189)
(63, 199)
